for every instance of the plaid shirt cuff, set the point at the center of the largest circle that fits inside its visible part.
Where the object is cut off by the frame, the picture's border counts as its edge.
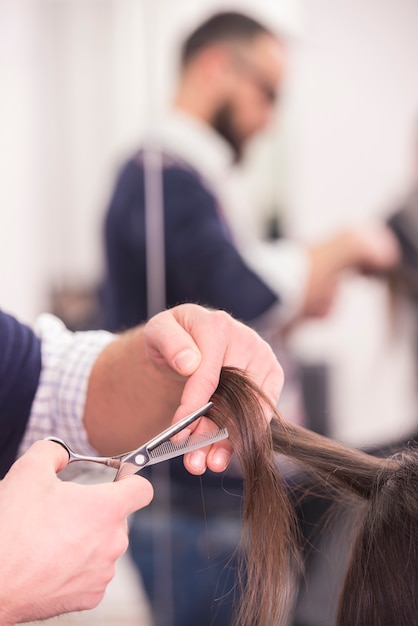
(67, 360)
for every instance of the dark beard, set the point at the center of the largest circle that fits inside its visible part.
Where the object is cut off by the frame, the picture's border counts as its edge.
(223, 123)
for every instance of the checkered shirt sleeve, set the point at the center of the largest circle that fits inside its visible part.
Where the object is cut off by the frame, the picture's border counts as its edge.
(67, 360)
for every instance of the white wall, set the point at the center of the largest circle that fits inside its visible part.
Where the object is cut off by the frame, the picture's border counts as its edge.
(352, 121)
(77, 80)
(21, 160)
(72, 105)
(354, 104)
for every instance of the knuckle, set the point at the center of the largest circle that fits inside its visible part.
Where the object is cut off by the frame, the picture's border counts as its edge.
(278, 379)
(119, 545)
(222, 322)
(210, 380)
(123, 543)
(108, 575)
(92, 600)
(149, 333)
(29, 461)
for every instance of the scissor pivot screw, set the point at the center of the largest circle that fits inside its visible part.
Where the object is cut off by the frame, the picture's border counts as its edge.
(140, 459)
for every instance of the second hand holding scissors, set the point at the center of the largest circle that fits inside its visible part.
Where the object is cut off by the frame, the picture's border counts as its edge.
(157, 449)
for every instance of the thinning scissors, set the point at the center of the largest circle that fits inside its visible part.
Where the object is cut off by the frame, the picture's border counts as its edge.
(159, 448)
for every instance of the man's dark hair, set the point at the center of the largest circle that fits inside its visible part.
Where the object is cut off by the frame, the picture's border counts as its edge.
(221, 27)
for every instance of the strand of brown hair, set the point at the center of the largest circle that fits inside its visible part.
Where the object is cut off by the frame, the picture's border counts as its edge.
(382, 579)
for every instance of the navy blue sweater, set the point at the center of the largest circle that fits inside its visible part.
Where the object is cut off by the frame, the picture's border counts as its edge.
(20, 367)
(202, 263)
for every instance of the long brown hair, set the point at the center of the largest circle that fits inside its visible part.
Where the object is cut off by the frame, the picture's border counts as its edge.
(381, 585)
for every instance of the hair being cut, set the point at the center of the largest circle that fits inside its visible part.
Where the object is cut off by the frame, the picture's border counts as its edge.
(221, 27)
(381, 584)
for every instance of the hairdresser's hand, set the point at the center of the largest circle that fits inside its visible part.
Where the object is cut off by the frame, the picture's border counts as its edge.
(370, 248)
(59, 540)
(197, 343)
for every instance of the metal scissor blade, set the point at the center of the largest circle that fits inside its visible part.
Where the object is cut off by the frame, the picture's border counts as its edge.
(177, 427)
(170, 449)
(155, 451)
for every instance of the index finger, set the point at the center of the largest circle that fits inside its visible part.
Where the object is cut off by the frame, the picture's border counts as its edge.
(224, 341)
(218, 340)
(238, 346)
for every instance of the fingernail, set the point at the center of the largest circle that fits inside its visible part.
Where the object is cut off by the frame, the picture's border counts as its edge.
(186, 361)
(198, 461)
(221, 459)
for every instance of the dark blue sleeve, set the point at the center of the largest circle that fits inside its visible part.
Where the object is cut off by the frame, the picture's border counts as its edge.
(123, 294)
(20, 367)
(202, 263)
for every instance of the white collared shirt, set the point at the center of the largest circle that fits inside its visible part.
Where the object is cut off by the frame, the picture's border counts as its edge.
(283, 264)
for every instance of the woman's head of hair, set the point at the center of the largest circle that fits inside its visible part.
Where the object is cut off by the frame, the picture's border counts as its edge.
(381, 585)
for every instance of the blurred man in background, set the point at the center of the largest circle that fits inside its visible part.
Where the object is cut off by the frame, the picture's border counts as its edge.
(232, 70)
(231, 73)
